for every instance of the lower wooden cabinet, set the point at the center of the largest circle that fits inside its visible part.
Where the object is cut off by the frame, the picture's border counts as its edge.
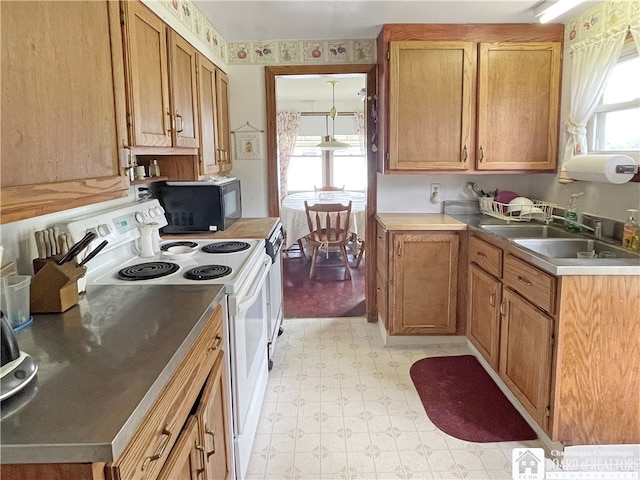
(526, 343)
(185, 461)
(417, 291)
(485, 297)
(202, 452)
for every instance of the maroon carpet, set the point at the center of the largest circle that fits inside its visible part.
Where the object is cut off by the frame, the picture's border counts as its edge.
(328, 295)
(461, 399)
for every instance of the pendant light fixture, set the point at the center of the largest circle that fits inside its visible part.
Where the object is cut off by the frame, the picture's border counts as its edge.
(330, 143)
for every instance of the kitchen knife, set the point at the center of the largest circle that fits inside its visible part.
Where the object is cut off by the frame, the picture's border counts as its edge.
(47, 243)
(93, 253)
(52, 239)
(62, 244)
(77, 247)
(42, 251)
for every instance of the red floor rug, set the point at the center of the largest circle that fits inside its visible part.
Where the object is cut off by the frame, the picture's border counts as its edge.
(327, 295)
(462, 400)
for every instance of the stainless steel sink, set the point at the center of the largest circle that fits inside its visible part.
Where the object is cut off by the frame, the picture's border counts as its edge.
(569, 248)
(527, 231)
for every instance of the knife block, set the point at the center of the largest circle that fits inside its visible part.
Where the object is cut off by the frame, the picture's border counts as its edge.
(54, 288)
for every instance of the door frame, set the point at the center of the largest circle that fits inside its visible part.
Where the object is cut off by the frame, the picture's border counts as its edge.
(273, 196)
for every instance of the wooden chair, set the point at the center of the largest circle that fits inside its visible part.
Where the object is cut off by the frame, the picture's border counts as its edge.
(328, 188)
(328, 227)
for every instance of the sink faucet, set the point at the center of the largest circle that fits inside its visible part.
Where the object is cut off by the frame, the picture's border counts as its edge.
(597, 231)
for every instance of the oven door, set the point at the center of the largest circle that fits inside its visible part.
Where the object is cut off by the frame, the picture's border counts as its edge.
(248, 348)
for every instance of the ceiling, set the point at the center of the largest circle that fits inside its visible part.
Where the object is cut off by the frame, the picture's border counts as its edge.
(240, 20)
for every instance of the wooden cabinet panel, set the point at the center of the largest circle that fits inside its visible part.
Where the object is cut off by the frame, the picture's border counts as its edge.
(423, 283)
(486, 256)
(533, 284)
(212, 417)
(183, 91)
(518, 95)
(382, 293)
(485, 298)
(185, 460)
(207, 108)
(52, 104)
(381, 252)
(430, 99)
(148, 77)
(525, 354)
(222, 118)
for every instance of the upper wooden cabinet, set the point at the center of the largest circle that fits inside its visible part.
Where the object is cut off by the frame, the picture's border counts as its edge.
(430, 105)
(161, 82)
(461, 98)
(518, 94)
(63, 107)
(213, 105)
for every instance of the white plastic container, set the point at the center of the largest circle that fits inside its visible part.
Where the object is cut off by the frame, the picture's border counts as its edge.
(15, 299)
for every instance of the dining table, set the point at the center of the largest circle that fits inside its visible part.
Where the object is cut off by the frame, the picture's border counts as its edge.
(294, 216)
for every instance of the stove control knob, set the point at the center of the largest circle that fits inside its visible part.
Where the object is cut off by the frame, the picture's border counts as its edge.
(104, 230)
(152, 212)
(159, 211)
(139, 216)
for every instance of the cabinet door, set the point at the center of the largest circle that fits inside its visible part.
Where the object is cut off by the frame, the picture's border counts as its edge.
(423, 286)
(207, 112)
(430, 105)
(63, 124)
(518, 94)
(525, 354)
(212, 417)
(222, 117)
(148, 79)
(182, 74)
(485, 297)
(185, 460)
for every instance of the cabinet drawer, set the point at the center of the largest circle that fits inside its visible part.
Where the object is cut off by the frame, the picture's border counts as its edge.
(533, 284)
(150, 445)
(485, 255)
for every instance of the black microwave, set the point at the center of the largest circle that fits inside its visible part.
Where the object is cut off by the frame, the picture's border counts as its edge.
(198, 206)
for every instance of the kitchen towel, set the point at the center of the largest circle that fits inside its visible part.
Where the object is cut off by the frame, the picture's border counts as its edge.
(599, 168)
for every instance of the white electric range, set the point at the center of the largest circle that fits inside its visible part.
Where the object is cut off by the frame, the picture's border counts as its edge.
(241, 265)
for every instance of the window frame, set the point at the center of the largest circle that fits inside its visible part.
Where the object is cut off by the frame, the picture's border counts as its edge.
(595, 135)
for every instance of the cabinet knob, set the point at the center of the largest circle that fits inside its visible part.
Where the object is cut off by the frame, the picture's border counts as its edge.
(481, 153)
(166, 434)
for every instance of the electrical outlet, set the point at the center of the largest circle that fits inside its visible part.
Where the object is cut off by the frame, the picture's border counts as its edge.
(435, 189)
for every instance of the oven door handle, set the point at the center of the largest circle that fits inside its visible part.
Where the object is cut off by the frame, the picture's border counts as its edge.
(257, 284)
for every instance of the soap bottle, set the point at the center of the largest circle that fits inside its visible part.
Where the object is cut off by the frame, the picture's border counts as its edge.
(572, 215)
(631, 232)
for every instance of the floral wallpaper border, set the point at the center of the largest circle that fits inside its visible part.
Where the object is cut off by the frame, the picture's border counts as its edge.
(608, 17)
(285, 52)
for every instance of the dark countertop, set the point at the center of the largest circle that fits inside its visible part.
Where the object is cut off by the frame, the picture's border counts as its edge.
(101, 365)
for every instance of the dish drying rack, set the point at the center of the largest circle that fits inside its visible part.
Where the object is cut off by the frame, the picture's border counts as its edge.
(511, 212)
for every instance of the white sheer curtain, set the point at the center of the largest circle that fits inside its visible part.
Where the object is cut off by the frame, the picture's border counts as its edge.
(358, 118)
(592, 62)
(287, 124)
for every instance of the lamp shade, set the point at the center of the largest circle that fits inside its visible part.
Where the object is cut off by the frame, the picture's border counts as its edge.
(330, 143)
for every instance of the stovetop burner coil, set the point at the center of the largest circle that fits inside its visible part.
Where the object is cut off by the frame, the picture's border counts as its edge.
(225, 247)
(147, 271)
(207, 272)
(167, 246)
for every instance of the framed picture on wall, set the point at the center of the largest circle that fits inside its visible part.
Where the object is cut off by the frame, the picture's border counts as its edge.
(248, 145)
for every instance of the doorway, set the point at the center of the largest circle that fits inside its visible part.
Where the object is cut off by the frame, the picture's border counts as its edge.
(272, 74)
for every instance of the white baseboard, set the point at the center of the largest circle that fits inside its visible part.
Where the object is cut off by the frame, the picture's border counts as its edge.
(417, 340)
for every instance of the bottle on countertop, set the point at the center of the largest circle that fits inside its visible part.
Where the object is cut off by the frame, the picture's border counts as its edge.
(572, 216)
(631, 232)
(154, 169)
